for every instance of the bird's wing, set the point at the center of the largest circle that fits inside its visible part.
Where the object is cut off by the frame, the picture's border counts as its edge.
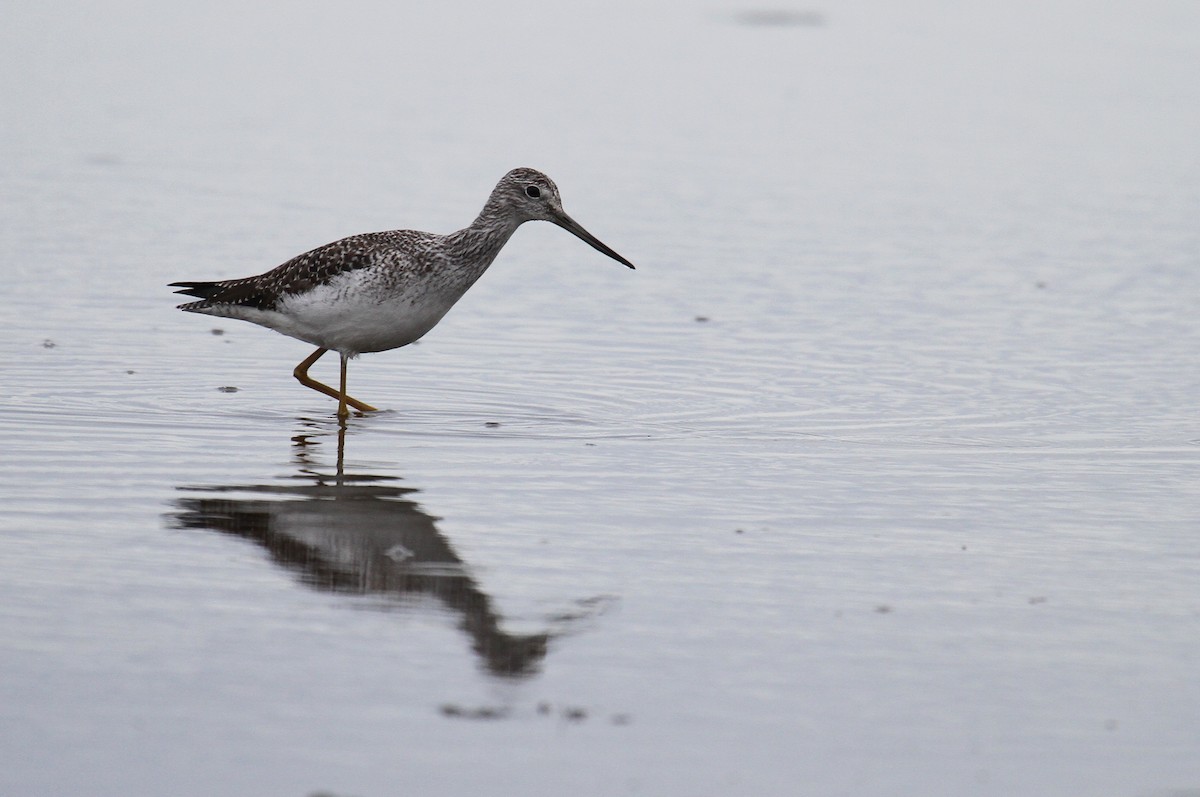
(300, 274)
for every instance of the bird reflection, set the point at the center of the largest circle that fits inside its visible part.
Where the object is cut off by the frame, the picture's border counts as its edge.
(363, 535)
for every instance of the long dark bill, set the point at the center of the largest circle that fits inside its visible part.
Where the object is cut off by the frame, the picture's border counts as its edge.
(570, 225)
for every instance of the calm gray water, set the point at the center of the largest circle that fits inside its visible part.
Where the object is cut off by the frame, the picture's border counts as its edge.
(880, 475)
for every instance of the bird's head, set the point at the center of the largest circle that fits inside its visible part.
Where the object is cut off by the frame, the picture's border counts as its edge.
(532, 196)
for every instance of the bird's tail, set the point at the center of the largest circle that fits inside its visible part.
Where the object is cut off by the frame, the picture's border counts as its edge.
(202, 290)
(242, 293)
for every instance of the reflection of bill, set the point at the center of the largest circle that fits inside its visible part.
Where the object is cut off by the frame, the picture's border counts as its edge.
(363, 537)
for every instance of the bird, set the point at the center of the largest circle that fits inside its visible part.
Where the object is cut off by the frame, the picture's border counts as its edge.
(378, 291)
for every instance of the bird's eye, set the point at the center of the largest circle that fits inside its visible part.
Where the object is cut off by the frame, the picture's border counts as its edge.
(532, 191)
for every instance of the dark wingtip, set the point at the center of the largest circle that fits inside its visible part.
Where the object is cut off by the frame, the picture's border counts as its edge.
(202, 290)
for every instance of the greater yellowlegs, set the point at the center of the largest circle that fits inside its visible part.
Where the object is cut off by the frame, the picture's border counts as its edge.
(382, 290)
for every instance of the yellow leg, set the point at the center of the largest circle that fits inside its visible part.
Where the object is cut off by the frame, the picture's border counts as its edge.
(301, 374)
(343, 413)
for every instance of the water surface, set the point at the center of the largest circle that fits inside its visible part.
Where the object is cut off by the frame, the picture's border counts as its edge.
(878, 476)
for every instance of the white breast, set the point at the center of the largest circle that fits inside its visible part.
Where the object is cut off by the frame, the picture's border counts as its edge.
(354, 314)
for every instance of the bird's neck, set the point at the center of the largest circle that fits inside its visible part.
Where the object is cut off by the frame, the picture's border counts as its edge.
(482, 241)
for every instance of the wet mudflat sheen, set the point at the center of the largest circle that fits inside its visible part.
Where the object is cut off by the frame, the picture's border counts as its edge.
(878, 476)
